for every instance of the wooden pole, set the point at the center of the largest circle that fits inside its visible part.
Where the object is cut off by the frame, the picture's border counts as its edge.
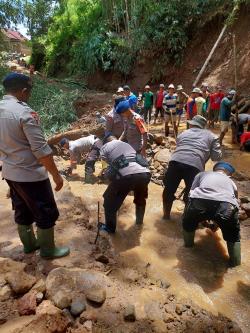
(235, 64)
(209, 56)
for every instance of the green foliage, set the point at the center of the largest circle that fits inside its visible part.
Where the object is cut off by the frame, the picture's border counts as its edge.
(53, 102)
(10, 12)
(89, 35)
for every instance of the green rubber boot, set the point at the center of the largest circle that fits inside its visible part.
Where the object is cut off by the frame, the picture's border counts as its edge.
(89, 178)
(139, 213)
(47, 244)
(27, 237)
(188, 238)
(234, 252)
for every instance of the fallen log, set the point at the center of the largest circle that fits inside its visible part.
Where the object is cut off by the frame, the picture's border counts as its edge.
(75, 134)
(71, 135)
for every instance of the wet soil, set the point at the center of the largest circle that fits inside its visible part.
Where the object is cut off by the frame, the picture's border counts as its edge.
(153, 252)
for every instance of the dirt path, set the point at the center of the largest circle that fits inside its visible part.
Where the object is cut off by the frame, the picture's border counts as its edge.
(200, 274)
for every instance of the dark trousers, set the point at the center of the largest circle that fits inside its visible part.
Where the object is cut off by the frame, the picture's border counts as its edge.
(147, 113)
(117, 191)
(247, 145)
(223, 213)
(159, 111)
(176, 172)
(34, 202)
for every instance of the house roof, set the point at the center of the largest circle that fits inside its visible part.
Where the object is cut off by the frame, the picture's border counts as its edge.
(14, 35)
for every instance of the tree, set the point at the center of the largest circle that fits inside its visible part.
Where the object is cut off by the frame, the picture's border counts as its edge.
(11, 12)
(38, 14)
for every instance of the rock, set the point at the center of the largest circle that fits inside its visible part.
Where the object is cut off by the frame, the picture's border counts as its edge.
(240, 176)
(158, 139)
(40, 286)
(47, 307)
(5, 293)
(61, 300)
(157, 164)
(2, 282)
(68, 315)
(163, 156)
(20, 282)
(244, 199)
(88, 325)
(75, 281)
(246, 207)
(102, 258)
(39, 298)
(7, 266)
(153, 311)
(96, 295)
(27, 304)
(164, 284)
(242, 215)
(78, 305)
(171, 141)
(129, 313)
(179, 309)
(168, 318)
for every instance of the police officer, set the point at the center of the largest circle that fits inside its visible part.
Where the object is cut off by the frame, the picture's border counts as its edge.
(77, 148)
(114, 121)
(194, 147)
(26, 159)
(135, 132)
(127, 173)
(213, 196)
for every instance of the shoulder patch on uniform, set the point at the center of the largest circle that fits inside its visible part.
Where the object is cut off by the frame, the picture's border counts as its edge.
(35, 116)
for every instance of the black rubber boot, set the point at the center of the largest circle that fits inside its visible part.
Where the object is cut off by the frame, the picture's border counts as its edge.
(139, 212)
(167, 206)
(188, 238)
(166, 130)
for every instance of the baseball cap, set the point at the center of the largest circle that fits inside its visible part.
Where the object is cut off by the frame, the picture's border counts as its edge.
(126, 88)
(122, 107)
(162, 85)
(120, 89)
(224, 166)
(197, 90)
(232, 92)
(198, 121)
(171, 86)
(147, 87)
(63, 141)
(16, 81)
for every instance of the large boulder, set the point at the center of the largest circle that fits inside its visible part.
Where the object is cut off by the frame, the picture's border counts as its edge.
(71, 283)
(163, 156)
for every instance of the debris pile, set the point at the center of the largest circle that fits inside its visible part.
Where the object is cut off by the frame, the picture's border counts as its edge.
(73, 300)
(159, 153)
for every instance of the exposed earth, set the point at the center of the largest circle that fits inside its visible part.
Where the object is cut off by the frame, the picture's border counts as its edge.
(140, 280)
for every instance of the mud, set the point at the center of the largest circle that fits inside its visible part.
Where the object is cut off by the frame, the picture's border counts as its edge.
(147, 265)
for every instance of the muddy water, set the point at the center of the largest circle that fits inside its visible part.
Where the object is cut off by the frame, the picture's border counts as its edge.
(201, 273)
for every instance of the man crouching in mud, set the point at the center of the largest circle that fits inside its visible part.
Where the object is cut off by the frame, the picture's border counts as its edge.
(213, 196)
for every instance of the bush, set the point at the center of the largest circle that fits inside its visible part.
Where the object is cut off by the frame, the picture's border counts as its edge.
(52, 101)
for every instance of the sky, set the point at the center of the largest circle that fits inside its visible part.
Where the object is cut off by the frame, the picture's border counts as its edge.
(21, 28)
